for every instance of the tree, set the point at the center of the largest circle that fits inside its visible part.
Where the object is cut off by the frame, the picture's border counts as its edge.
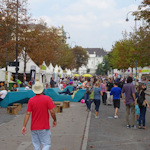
(142, 46)
(144, 11)
(14, 23)
(104, 67)
(80, 57)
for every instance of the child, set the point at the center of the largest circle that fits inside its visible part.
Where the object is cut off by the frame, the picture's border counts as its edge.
(116, 92)
(144, 105)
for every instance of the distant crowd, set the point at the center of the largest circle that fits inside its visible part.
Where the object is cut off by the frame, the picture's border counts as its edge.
(109, 91)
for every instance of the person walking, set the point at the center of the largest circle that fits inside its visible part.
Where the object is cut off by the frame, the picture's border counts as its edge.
(88, 87)
(32, 81)
(104, 89)
(97, 98)
(109, 87)
(52, 82)
(143, 106)
(40, 106)
(116, 92)
(129, 101)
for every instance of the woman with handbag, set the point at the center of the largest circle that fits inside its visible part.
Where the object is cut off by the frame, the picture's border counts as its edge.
(142, 105)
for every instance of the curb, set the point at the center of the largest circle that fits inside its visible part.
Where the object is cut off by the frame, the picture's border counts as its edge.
(86, 133)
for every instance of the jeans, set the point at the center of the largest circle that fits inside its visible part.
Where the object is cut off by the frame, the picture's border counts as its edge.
(87, 100)
(142, 115)
(41, 137)
(104, 97)
(132, 108)
(97, 104)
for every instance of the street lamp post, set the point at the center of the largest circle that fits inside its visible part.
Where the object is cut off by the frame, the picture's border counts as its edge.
(6, 50)
(16, 76)
(127, 19)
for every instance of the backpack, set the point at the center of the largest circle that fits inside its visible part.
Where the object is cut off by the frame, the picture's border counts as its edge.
(92, 95)
(140, 99)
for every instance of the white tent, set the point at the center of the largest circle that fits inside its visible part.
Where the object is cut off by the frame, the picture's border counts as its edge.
(29, 63)
(56, 69)
(68, 72)
(60, 71)
(47, 74)
(51, 67)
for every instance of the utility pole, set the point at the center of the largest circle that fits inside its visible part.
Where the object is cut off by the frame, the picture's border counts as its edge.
(136, 63)
(16, 76)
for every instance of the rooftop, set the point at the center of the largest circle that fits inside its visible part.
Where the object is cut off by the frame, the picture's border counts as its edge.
(99, 51)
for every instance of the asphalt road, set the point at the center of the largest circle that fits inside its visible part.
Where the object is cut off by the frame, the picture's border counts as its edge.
(107, 133)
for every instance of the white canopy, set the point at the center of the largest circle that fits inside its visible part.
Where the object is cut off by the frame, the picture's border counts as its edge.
(29, 63)
(51, 67)
(47, 71)
(56, 69)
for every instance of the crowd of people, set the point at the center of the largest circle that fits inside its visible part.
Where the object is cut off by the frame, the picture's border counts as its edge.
(109, 91)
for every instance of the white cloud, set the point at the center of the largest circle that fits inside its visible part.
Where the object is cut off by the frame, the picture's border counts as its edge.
(97, 20)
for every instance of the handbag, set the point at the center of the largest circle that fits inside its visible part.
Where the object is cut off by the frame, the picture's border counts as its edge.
(92, 95)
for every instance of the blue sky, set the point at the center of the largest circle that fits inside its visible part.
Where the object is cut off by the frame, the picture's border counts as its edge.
(90, 23)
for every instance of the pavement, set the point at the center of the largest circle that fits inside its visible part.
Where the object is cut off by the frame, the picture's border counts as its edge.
(68, 135)
(78, 130)
(107, 133)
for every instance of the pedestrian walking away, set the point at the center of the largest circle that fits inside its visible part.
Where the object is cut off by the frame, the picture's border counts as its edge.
(97, 98)
(40, 106)
(104, 89)
(129, 101)
(116, 92)
(143, 104)
(109, 87)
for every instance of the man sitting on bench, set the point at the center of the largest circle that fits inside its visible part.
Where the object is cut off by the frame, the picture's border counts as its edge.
(66, 92)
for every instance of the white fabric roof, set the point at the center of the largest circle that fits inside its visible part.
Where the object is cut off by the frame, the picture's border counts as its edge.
(48, 71)
(21, 64)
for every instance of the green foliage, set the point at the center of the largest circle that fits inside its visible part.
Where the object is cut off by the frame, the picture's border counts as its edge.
(104, 67)
(80, 56)
(88, 71)
(144, 11)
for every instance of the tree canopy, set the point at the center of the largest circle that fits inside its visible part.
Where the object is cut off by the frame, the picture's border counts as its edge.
(41, 42)
(134, 47)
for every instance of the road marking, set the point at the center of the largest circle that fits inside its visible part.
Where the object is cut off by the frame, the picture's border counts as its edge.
(24, 145)
(85, 140)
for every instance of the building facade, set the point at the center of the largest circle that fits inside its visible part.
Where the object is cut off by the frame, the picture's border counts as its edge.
(96, 56)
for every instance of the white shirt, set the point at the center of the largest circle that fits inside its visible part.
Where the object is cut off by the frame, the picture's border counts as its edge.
(27, 88)
(3, 93)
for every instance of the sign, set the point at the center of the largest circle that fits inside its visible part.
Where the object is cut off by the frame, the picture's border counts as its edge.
(13, 63)
(144, 71)
(33, 67)
(43, 67)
